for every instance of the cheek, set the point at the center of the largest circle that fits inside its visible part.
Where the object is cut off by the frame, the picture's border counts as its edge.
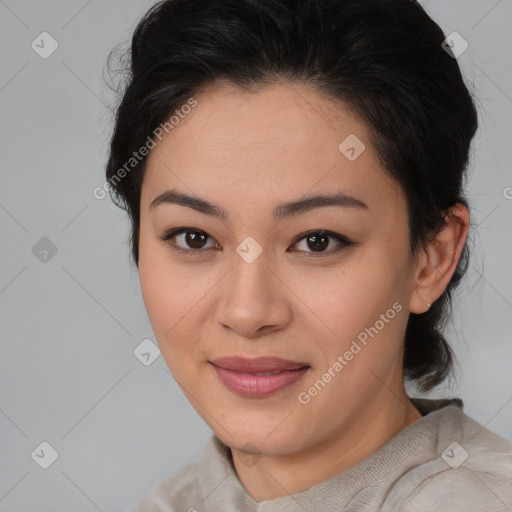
(167, 307)
(346, 304)
(347, 296)
(175, 299)
(164, 290)
(169, 296)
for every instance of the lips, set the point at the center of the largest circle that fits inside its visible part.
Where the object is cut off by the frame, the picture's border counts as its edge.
(257, 365)
(260, 377)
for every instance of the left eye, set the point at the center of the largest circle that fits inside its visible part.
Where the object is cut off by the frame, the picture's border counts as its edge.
(319, 241)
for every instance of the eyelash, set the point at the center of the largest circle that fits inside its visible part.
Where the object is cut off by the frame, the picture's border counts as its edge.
(345, 242)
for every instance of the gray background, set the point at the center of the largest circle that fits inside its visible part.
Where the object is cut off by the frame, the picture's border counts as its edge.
(70, 323)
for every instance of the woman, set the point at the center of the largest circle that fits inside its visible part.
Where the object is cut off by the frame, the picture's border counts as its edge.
(293, 171)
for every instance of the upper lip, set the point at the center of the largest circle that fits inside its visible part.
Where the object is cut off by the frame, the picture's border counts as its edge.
(259, 364)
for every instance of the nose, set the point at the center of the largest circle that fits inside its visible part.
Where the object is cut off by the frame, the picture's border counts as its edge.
(254, 301)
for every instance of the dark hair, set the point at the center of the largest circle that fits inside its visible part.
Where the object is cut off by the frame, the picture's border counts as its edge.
(382, 58)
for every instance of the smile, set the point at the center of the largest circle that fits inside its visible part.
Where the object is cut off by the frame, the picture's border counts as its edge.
(258, 377)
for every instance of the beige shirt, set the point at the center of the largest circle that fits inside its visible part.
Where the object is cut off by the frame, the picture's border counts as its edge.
(443, 462)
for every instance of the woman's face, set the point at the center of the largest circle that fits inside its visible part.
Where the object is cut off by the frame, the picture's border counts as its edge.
(254, 285)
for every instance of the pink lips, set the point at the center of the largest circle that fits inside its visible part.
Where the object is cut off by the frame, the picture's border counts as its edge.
(243, 376)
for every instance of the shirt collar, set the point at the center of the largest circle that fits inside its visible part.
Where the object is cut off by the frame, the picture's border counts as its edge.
(222, 490)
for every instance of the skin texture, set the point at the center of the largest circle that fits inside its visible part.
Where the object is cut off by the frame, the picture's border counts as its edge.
(247, 153)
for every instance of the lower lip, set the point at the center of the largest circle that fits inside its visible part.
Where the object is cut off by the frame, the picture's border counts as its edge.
(248, 384)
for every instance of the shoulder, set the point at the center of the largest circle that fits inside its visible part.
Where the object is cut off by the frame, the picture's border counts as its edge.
(463, 489)
(470, 471)
(187, 489)
(179, 492)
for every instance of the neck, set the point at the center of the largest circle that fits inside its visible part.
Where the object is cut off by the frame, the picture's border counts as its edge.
(276, 476)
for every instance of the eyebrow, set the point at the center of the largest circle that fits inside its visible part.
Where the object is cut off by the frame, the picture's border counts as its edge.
(280, 212)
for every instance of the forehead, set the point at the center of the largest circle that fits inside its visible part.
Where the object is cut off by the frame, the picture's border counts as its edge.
(280, 141)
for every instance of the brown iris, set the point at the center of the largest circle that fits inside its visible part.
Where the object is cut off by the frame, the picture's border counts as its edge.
(195, 239)
(319, 242)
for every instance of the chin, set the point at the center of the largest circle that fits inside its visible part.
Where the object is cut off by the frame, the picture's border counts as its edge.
(256, 440)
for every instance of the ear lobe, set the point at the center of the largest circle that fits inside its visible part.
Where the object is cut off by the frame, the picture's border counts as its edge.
(440, 258)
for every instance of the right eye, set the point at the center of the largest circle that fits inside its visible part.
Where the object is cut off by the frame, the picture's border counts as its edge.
(188, 240)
